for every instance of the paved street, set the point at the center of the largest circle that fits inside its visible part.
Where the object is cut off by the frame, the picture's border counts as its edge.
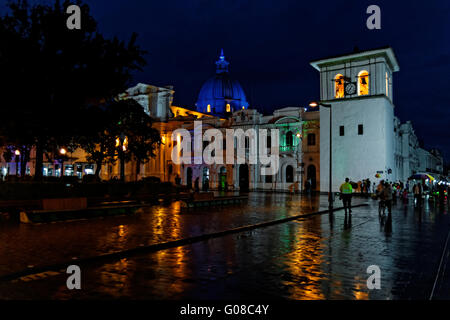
(312, 258)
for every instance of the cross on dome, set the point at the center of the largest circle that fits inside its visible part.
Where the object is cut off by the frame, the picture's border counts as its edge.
(222, 64)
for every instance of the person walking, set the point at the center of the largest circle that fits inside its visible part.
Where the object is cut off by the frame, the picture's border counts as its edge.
(346, 190)
(379, 188)
(405, 196)
(387, 197)
(417, 190)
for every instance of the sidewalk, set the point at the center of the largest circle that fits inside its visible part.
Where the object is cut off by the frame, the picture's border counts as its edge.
(24, 246)
(312, 258)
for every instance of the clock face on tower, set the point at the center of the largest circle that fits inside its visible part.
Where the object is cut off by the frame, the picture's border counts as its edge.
(350, 88)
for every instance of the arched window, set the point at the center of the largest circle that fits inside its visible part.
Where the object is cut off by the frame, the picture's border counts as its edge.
(363, 83)
(289, 139)
(289, 174)
(228, 107)
(339, 86)
(208, 108)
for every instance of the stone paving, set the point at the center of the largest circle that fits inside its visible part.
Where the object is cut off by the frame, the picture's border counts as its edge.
(35, 245)
(312, 258)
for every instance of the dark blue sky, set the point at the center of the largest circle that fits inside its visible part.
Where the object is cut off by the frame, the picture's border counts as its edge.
(270, 43)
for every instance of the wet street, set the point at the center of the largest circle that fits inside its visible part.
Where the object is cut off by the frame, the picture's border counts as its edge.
(317, 257)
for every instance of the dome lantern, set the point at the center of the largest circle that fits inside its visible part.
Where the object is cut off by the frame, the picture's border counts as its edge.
(222, 64)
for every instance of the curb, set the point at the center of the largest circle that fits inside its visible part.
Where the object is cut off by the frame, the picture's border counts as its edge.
(160, 246)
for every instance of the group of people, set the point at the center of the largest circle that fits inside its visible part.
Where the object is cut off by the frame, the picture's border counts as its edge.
(384, 191)
(387, 193)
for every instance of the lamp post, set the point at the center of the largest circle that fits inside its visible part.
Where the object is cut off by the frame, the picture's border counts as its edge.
(123, 148)
(330, 193)
(62, 152)
(17, 153)
(302, 165)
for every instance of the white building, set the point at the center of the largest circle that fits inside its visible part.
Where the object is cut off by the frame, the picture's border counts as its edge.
(405, 151)
(359, 88)
(156, 101)
(430, 161)
(297, 129)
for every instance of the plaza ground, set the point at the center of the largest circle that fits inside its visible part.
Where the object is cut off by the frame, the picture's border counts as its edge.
(318, 257)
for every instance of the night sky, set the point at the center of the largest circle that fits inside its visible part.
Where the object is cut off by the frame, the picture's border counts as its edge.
(270, 44)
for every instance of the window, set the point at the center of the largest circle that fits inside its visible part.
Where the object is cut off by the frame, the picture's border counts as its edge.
(289, 139)
(269, 141)
(339, 86)
(363, 83)
(341, 131)
(268, 178)
(311, 139)
(228, 107)
(208, 108)
(360, 129)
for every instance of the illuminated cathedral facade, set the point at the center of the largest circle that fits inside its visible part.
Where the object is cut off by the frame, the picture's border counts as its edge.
(369, 141)
(222, 104)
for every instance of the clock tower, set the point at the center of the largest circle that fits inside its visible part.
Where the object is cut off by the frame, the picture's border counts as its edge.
(358, 86)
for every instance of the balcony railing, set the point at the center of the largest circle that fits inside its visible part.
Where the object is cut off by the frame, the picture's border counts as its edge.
(288, 148)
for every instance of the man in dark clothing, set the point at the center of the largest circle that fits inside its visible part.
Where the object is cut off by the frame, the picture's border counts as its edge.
(387, 196)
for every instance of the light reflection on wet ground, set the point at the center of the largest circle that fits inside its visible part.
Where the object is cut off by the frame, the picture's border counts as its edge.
(23, 245)
(316, 258)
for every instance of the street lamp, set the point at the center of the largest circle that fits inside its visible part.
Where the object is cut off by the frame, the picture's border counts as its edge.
(123, 143)
(62, 152)
(314, 104)
(17, 153)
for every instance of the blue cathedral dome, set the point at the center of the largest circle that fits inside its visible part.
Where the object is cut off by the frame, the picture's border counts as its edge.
(220, 94)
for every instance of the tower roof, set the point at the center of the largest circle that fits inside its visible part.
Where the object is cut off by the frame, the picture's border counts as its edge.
(385, 52)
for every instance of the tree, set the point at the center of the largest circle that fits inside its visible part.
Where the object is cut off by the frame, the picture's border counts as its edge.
(136, 126)
(123, 132)
(99, 141)
(52, 74)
